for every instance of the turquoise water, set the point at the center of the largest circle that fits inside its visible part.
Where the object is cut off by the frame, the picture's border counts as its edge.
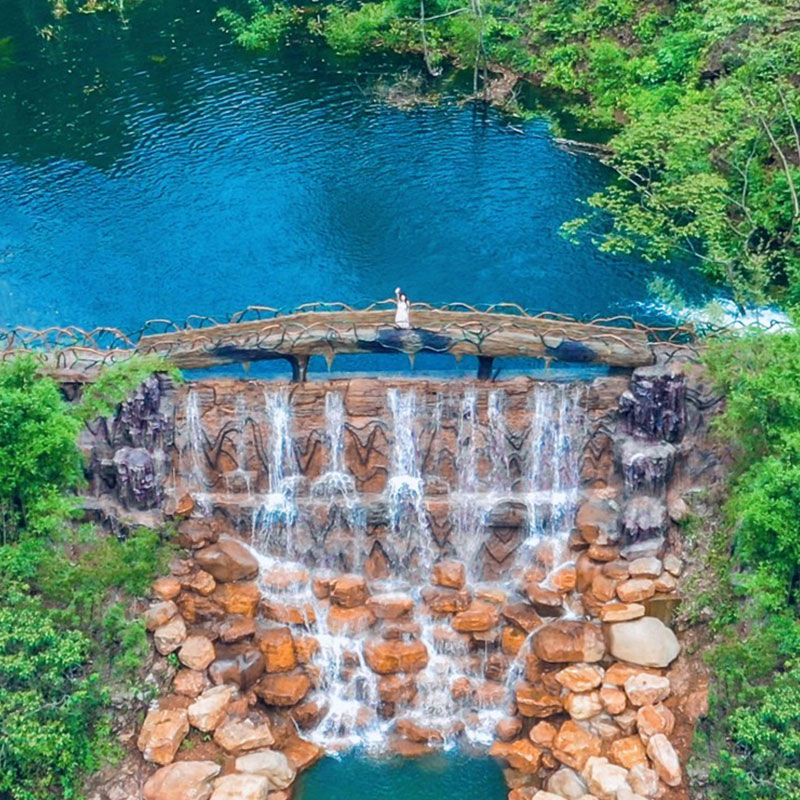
(432, 778)
(151, 169)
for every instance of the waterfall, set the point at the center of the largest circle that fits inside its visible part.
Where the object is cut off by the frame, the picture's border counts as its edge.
(277, 513)
(196, 446)
(406, 490)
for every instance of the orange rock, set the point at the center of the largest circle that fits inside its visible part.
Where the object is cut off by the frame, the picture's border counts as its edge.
(533, 668)
(545, 601)
(614, 700)
(603, 588)
(197, 608)
(408, 629)
(237, 735)
(289, 614)
(665, 759)
(644, 689)
(478, 617)
(596, 521)
(162, 734)
(564, 579)
(321, 586)
(603, 552)
(389, 657)
(523, 616)
(583, 705)
(619, 672)
(236, 627)
(283, 579)
(635, 589)
(451, 574)
(489, 694)
(350, 620)
(301, 753)
(508, 728)
(306, 647)
(309, 714)
(189, 682)
(521, 754)
(228, 560)
(536, 702)
(491, 595)
(580, 677)
(573, 745)
(283, 690)
(616, 570)
(197, 652)
(159, 614)
(653, 719)
(185, 780)
(620, 612)
(543, 734)
(200, 581)
(566, 641)
(462, 689)
(446, 601)
(398, 689)
(628, 752)
(277, 645)
(512, 640)
(414, 732)
(585, 571)
(241, 597)
(390, 606)
(167, 588)
(184, 505)
(349, 591)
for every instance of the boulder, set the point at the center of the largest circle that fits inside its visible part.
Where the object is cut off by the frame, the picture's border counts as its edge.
(159, 614)
(189, 682)
(446, 601)
(186, 780)
(242, 668)
(239, 786)
(573, 745)
(543, 734)
(200, 581)
(390, 606)
(613, 699)
(643, 780)
(478, 617)
(211, 708)
(521, 754)
(414, 732)
(350, 621)
(171, 636)
(603, 588)
(166, 588)
(672, 564)
(512, 639)
(306, 647)
(397, 689)
(301, 753)
(666, 582)
(565, 782)
(621, 612)
(604, 779)
(653, 719)
(271, 764)
(508, 728)
(645, 690)
(665, 759)
(564, 579)
(283, 690)
(277, 646)
(628, 751)
(580, 677)
(238, 597)
(646, 641)
(535, 701)
(449, 573)
(349, 591)
(162, 734)
(235, 627)
(228, 560)
(197, 652)
(597, 521)
(390, 657)
(566, 641)
(583, 705)
(523, 616)
(645, 567)
(309, 714)
(635, 590)
(237, 735)
(289, 614)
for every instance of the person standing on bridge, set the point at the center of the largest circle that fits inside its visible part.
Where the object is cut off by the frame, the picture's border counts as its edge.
(401, 316)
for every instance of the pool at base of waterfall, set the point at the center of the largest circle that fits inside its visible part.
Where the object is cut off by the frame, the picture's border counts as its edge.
(434, 777)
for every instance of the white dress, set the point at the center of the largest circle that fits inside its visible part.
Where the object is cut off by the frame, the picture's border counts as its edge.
(401, 318)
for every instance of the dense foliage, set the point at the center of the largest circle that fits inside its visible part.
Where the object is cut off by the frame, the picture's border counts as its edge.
(67, 641)
(701, 97)
(751, 740)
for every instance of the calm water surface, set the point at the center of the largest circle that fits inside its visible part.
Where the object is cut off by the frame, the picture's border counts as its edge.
(151, 169)
(433, 778)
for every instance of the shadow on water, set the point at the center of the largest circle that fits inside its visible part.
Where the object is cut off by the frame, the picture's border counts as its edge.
(151, 169)
(431, 778)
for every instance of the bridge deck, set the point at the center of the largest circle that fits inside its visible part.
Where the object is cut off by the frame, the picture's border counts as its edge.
(74, 355)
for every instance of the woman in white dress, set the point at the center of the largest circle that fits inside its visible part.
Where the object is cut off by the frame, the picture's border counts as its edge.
(401, 316)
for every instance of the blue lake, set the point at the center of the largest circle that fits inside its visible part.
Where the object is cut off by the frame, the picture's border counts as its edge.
(431, 778)
(150, 169)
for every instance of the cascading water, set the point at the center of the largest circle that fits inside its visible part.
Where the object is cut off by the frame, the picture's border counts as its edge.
(277, 513)
(406, 492)
(536, 468)
(195, 444)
